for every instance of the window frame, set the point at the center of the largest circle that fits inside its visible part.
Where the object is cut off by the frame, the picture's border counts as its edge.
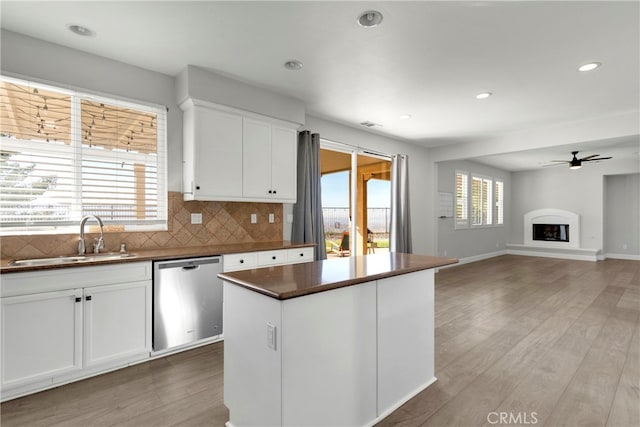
(78, 154)
(498, 203)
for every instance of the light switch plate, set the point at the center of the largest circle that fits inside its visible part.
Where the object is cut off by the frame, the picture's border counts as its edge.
(254, 218)
(272, 218)
(196, 218)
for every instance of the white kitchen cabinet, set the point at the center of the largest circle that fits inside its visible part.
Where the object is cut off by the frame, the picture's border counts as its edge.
(41, 337)
(234, 155)
(116, 323)
(212, 154)
(269, 162)
(66, 324)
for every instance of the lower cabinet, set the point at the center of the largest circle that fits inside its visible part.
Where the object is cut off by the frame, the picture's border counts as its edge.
(116, 324)
(53, 337)
(41, 337)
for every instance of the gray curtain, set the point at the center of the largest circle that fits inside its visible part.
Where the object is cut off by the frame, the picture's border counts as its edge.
(308, 226)
(400, 233)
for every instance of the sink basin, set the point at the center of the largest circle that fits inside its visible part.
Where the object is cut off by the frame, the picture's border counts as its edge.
(74, 259)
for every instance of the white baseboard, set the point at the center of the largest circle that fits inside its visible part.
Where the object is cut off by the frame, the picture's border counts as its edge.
(475, 258)
(631, 257)
(578, 254)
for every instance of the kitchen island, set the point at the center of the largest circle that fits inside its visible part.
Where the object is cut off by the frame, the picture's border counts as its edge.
(340, 342)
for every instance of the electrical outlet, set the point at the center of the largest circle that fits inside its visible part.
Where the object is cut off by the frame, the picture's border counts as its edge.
(272, 218)
(271, 336)
(196, 218)
(254, 218)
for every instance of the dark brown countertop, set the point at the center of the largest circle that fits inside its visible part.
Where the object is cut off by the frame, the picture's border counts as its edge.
(290, 281)
(164, 254)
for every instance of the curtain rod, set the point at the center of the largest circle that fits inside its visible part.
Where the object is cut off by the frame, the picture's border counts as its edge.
(362, 149)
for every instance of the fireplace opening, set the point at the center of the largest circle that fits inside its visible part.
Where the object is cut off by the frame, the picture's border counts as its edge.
(551, 232)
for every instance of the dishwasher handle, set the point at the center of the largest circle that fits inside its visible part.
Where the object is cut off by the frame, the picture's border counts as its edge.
(187, 264)
(191, 267)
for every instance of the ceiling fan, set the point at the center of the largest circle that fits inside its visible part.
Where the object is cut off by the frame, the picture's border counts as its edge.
(576, 163)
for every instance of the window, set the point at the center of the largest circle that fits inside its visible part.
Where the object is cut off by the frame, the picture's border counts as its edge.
(67, 154)
(499, 202)
(481, 201)
(462, 200)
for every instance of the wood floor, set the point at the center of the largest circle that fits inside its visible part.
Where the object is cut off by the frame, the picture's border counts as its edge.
(519, 341)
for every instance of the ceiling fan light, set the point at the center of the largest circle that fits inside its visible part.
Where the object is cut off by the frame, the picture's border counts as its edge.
(574, 167)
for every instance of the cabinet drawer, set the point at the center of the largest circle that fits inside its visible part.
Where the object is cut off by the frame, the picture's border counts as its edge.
(32, 282)
(300, 255)
(242, 261)
(272, 257)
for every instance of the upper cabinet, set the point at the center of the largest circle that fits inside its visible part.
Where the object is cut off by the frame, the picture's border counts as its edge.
(269, 162)
(230, 155)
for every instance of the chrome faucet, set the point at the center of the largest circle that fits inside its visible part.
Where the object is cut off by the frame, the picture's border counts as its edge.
(98, 243)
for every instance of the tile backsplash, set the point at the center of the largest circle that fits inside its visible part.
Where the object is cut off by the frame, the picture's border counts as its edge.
(222, 222)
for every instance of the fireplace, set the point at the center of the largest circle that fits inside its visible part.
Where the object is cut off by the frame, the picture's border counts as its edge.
(551, 232)
(555, 228)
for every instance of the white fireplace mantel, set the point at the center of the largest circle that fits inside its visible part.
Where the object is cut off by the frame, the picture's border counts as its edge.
(552, 216)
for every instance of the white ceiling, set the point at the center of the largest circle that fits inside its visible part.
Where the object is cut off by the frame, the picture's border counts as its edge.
(427, 59)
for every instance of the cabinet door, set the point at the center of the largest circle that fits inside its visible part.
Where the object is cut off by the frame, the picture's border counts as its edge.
(218, 155)
(41, 336)
(117, 323)
(257, 159)
(283, 163)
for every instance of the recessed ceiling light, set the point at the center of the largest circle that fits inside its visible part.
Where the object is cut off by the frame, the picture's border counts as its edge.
(370, 18)
(81, 31)
(483, 95)
(590, 66)
(405, 117)
(293, 65)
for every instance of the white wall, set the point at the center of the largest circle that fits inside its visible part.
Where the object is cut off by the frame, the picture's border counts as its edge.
(622, 216)
(580, 191)
(471, 242)
(200, 84)
(421, 174)
(37, 60)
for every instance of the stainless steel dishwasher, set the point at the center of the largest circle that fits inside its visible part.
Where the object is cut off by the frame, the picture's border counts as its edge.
(187, 301)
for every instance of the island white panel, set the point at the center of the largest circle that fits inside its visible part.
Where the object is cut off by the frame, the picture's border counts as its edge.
(252, 369)
(329, 358)
(405, 337)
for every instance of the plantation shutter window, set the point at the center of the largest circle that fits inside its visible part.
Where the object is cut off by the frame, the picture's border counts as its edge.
(499, 202)
(481, 201)
(462, 200)
(67, 154)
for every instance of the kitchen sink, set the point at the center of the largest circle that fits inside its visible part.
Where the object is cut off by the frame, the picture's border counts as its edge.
(73, 259)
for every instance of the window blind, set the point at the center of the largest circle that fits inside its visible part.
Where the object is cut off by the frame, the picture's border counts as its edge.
(67, 154)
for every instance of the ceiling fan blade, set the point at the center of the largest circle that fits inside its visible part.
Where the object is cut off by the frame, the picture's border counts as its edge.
(596, 159)
(560, 161)
(554, 164)
(590, 157)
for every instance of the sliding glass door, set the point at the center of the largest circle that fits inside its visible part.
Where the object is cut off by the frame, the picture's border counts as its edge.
(356, 197)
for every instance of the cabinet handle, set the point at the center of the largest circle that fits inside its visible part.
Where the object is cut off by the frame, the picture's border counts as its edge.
(88, 298)
(270, 191)
(273, 257)
(78, 299)
(301, 254)
(197, 187)
(274, 191)
(241, 261)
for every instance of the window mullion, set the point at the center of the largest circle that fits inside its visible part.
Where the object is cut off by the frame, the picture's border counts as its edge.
(76, 143)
